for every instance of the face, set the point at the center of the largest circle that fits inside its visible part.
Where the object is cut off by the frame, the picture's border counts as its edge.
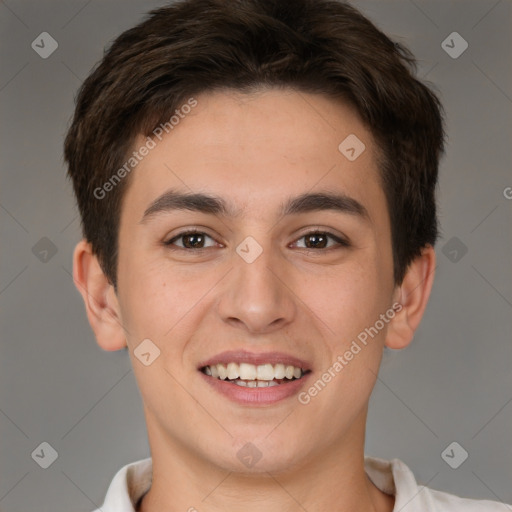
(263, 283)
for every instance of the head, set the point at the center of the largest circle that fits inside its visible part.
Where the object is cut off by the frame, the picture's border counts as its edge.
(248, 112)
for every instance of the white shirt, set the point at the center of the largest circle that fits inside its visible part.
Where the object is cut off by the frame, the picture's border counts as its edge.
(393, 477)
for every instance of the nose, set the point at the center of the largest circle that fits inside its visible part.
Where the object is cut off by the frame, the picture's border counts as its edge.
(256, 295)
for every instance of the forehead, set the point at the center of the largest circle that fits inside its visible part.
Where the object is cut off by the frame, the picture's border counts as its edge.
(256, 148)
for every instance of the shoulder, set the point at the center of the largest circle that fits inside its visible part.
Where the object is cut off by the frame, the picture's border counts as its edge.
(128, 485)
(394, 477)
(445, 502)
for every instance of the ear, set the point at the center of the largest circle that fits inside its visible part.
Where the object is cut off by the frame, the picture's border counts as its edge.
(100, 299)
(412, 295)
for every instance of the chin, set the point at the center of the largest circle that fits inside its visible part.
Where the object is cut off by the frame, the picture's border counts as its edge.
(255, 452)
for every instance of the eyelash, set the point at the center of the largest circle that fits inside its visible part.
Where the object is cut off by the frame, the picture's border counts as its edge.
(340, 241)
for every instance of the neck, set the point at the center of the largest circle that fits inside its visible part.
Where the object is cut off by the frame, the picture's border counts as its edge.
(333, 480)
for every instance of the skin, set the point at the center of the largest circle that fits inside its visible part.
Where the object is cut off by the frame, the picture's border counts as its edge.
(256, 151)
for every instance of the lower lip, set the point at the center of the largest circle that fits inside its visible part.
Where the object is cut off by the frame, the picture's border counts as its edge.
(256, 396)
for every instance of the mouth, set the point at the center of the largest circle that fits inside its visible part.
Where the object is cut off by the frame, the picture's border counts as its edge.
(255, 376)
(254, 379)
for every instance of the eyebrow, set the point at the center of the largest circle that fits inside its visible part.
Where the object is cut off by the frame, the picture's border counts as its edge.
(173, 200)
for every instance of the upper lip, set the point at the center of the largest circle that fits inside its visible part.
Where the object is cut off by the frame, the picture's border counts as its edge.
(244, 356)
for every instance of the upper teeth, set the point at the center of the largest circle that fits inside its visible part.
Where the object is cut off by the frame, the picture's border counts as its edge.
(248, 371)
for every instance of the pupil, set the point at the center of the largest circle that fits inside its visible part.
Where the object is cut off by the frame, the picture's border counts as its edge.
(196, 240)
(317, 237)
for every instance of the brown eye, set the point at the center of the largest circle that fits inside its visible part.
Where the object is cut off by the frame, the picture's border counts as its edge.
(317, 240)
(193, 241)
(189, 240)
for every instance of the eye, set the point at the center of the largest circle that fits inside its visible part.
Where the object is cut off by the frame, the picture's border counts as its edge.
(191, 239)
(320, 239)
(314, 241)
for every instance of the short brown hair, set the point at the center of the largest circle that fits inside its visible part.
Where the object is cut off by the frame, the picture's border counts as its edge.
(316, 46)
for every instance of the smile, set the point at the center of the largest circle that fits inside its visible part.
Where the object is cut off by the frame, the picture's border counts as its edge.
(255, 376)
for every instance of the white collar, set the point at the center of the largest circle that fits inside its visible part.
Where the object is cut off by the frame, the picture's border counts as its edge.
(392, 477)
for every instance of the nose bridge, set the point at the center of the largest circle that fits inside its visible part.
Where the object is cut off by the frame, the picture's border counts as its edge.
(256, 297)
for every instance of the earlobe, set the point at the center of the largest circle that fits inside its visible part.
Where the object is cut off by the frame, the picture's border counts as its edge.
(412, 295)
(99, 297)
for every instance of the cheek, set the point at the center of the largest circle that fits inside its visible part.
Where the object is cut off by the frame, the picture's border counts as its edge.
(348, 297)
(352, 300)
(153, 299)
(161, 299)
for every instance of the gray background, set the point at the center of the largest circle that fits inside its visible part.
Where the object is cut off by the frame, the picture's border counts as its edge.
(56, 385)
